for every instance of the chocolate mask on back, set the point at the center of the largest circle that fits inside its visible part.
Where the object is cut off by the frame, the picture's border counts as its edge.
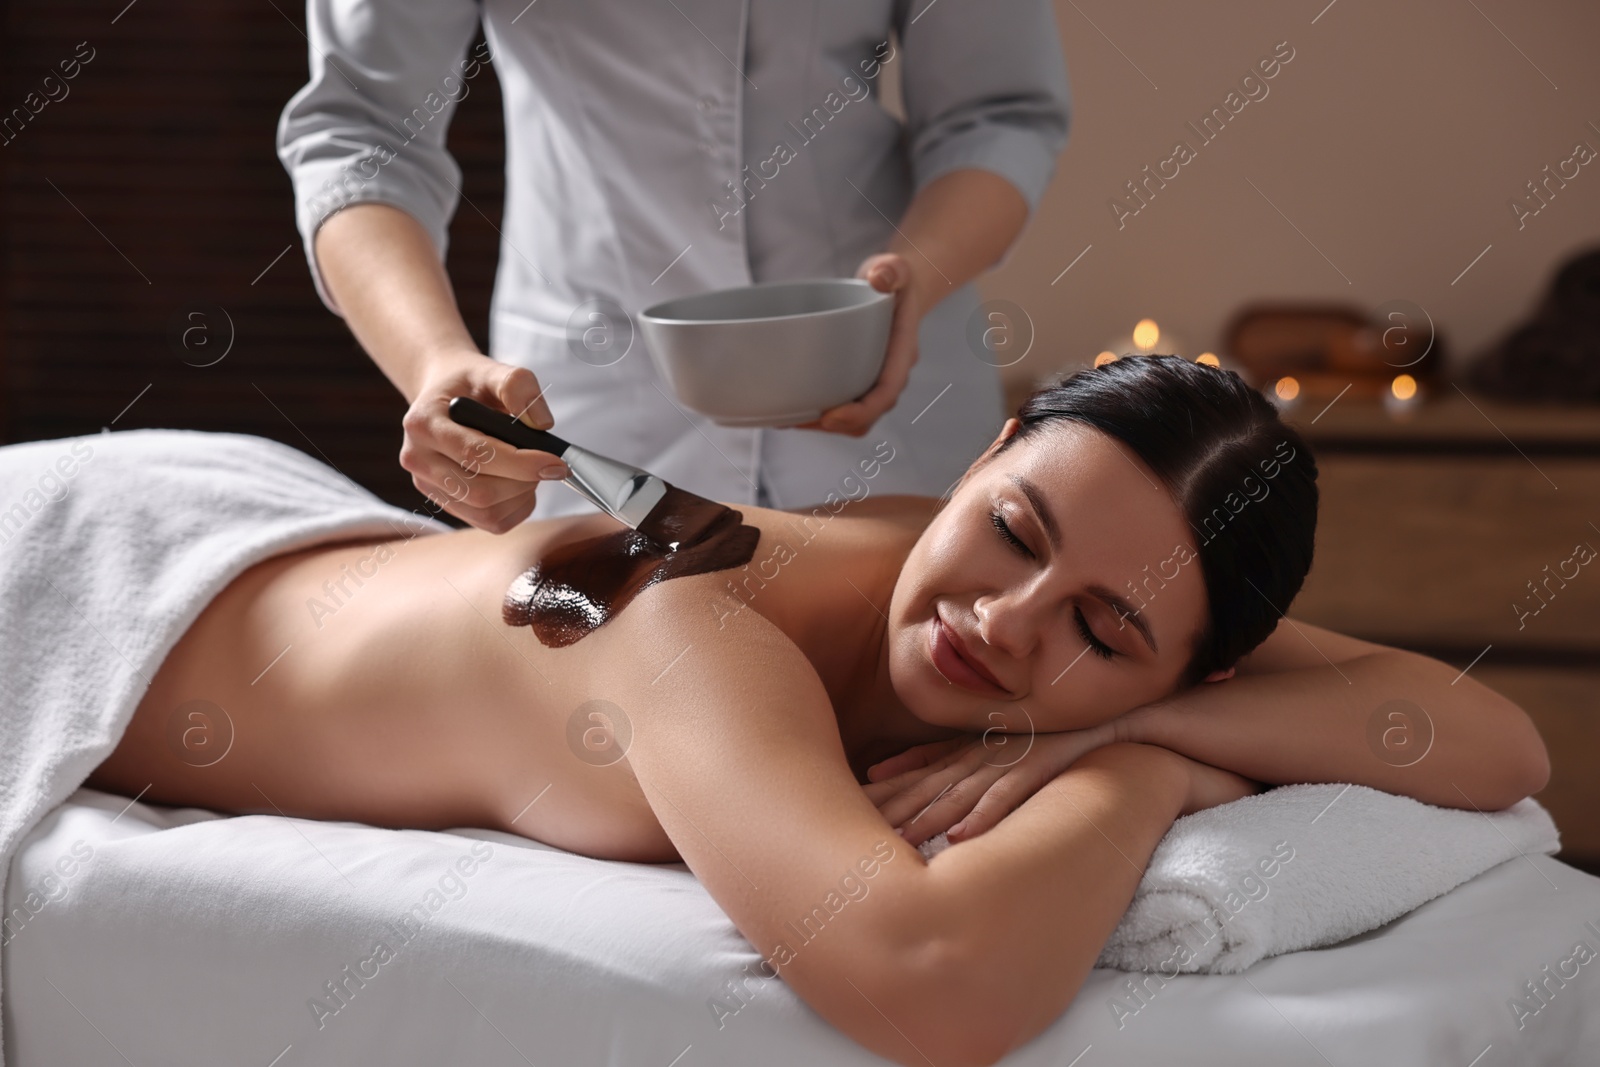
(575, 589)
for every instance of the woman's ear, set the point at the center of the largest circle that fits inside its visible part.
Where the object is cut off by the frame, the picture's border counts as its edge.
(1007, 432)
(1218, 676)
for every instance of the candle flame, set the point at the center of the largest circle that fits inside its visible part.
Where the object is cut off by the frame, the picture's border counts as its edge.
(1146, 334)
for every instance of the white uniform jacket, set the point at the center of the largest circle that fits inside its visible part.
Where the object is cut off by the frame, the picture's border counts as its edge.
(658, 148)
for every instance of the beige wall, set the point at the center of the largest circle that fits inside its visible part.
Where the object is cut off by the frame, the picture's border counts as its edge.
(1393, 140)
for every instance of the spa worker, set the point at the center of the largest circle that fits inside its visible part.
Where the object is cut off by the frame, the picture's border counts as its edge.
(660, 148)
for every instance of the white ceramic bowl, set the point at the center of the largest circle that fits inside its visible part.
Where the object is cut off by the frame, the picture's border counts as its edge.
(773, 354)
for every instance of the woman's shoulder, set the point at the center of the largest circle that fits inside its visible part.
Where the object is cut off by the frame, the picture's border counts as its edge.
(900, 509)
(859, 538)
(718, 618)
(804, 563)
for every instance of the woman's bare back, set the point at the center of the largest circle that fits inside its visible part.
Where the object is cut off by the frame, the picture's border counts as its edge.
(376, 682)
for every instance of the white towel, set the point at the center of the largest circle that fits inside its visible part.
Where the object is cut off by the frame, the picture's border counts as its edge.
(1302, 866)
(110, 547)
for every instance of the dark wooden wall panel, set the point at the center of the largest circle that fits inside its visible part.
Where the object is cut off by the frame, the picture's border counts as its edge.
(165, 144)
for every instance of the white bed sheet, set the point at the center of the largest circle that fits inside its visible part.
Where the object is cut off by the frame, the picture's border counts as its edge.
(184, 937)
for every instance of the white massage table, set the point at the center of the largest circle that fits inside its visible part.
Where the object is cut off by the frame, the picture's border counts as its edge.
(189, 938)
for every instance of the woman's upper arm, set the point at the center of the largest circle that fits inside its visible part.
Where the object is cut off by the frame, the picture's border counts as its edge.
(1294, 645)
(1478, 729)
(736, 749)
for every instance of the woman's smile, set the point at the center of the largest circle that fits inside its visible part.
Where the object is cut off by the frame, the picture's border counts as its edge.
(954, 659)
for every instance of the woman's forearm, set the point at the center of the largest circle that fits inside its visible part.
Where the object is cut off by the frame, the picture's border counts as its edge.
(1392, 720)
(956, 227)
(382, 270)
(1039, 894)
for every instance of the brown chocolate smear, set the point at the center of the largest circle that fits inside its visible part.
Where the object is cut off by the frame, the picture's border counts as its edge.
(576, 588)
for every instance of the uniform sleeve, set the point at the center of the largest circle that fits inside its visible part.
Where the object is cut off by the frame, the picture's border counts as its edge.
(985, 85)
(370, 124)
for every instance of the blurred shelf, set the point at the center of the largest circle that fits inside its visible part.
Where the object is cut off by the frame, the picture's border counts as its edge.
(1450, 423)
(1434, 530)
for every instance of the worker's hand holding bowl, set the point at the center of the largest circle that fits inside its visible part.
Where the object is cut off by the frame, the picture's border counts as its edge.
(779, 353)
(888, 272)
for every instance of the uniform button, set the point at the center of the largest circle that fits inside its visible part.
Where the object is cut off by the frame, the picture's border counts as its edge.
(706, 103)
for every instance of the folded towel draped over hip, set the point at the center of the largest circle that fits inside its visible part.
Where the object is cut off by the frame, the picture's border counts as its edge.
(110, 547)
(1302, 866)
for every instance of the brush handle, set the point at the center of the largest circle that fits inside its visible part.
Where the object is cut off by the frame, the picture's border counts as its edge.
(503, 427)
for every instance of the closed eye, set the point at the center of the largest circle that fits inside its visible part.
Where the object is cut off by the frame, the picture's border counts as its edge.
(1097, 646)
(1008, 535)
(1100, 648)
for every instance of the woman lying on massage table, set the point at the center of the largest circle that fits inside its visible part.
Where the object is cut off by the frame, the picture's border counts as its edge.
(1046, 637)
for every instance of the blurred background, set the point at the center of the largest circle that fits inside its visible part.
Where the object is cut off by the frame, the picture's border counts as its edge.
(1373, 235)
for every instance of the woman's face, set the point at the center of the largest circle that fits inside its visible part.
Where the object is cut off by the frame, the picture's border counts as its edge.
(1092, 610)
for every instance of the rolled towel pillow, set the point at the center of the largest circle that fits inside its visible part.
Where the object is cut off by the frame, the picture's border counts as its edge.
(1302, 866)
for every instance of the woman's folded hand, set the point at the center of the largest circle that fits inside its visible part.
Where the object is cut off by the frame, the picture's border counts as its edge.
(963, 786)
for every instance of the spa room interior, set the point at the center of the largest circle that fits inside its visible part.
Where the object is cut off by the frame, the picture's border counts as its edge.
(1384, 218)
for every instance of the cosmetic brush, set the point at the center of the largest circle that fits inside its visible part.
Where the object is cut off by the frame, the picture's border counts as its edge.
(634, 497)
